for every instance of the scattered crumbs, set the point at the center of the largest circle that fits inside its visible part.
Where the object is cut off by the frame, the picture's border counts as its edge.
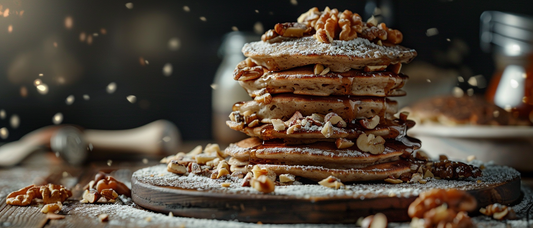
(162, 174)
(225, 184)
(148, 219)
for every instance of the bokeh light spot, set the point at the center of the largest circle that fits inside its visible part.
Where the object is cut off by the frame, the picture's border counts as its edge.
(14, 121)
(174, 44)
(131, 98)
(111, 88)
(69, 22)
(258, 28)
(70, 100)
(58, 118)
(167, 69)
(42, 89)
(4, 133)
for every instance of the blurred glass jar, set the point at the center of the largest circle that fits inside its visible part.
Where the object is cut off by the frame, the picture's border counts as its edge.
(510, 38)
(227, 91)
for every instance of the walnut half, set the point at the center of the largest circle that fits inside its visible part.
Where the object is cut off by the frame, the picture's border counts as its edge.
(371, 143)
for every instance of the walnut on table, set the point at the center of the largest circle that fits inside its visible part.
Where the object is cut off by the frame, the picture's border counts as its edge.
(49, 193)
(105, 186)
(498, 211)
(442, 208)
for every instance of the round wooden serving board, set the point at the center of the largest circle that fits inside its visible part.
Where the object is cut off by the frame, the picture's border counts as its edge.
(156, 189)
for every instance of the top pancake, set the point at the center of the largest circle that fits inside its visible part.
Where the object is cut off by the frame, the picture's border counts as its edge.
(339, 56)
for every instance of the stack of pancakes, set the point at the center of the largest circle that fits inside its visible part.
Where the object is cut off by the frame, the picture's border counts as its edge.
(321, 106)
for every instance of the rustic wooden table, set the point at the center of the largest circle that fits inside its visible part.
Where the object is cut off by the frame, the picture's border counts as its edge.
(46, 168)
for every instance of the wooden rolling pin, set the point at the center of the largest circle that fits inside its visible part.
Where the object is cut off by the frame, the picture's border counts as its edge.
(71, 143)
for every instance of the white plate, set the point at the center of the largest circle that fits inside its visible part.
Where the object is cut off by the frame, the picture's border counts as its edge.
(496, 132)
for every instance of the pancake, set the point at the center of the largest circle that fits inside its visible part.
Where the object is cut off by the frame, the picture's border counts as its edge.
(304, 81)
(283, 106)
(339, 56)
(317, 173)
(390, 130)
(324, 154)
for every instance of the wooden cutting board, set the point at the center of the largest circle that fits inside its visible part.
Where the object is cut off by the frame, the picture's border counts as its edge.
(155, 189)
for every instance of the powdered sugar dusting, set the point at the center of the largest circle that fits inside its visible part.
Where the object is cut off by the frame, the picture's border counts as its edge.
(132, 216)
(157, 175)
(358, 47)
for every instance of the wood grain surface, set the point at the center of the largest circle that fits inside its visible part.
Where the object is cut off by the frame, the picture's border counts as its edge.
(292, 209)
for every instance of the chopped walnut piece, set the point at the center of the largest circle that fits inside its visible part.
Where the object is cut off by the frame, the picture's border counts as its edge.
(23, 197)
(265, 98)
(456, 200)
(373, 33)
(318, 68)
(109, 194)
(193, 167)
(375, 68)
(177, 168)
(263, 184)
(498, 211)
(327, 130)
(90, 196)
(403, 115)
(52, 208)
(286, 178)
(371, 143)
(331, 182)
(222, 172)
(294, 119)
(394, 36)
(278, 124)
(372, 21)
(378, 220)
(335, 119)
(202, 159)
(103, 217)
(197, 150)
(214, 149)
(293, 128)
(351, 24)
(326, 26)
(248, 73)
(104, 181)
(269, 35)
(257, 171)
(238, 126)
(310, 17)
(343, 143)
(393, 181)
(50, 194)
(292, 29)
(246, 180)
(370, 123)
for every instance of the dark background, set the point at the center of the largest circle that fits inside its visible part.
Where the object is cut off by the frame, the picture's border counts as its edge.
(144, 31)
